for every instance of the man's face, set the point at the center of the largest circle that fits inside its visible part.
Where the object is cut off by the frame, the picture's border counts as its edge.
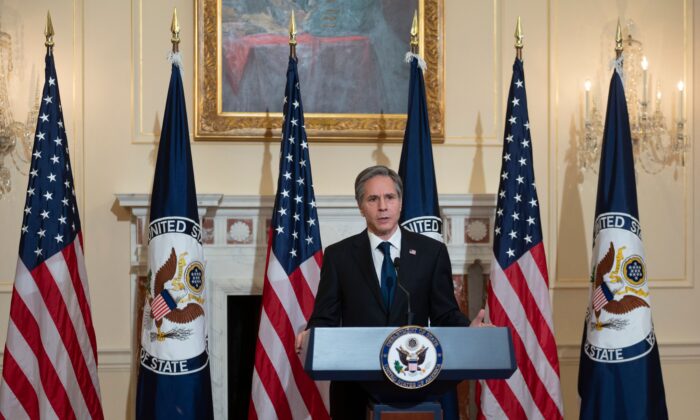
(381, 206)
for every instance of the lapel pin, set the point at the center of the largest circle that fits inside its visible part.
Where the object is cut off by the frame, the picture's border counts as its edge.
(412, 251)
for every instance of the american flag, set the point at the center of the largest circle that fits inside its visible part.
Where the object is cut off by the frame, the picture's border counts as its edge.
(518, 293)
(281, 389)
(50, 359)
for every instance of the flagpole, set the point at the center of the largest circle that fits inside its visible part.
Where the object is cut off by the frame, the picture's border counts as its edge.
(280, 388)
(174, 378)
(519, 40)
(175, 30)
(619, 360)
(535, 391)
(50, 334)
(292, 37)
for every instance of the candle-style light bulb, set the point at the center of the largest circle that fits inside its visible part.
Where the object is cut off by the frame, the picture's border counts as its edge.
(645, 74)
(681, 89)
(587, 87)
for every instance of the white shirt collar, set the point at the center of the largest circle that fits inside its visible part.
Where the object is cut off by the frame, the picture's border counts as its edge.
(394, 240)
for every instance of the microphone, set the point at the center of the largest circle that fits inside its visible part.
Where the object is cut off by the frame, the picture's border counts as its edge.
(409, 314)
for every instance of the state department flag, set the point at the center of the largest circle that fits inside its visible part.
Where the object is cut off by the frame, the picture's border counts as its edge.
(620, 373)
(174, 380)
(420, 210)
(420, 207)
(49, 365)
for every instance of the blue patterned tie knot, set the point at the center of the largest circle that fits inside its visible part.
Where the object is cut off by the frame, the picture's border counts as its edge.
(388, 280)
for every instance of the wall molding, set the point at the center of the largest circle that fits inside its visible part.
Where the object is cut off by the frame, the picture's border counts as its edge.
(114, 360)
(120, 359)
(109, 359)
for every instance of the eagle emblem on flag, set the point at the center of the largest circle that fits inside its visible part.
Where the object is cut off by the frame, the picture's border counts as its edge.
(609, 282)
(618, 321)
(188, 306)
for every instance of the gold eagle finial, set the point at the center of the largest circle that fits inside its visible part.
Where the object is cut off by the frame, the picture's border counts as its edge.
(519, 39)
(618, 39)
(175, 31)
(414, 33)
(48, 31)
(292, 36)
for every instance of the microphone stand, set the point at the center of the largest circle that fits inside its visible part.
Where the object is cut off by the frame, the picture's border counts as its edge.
(409, 313)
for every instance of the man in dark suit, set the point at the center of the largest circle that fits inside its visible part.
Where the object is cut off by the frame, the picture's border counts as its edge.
(358, 286)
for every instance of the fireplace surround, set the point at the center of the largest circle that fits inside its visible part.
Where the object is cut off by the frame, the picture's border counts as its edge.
(235, 246)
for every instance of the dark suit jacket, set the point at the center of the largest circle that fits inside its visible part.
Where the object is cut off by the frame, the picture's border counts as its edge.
(349, 294)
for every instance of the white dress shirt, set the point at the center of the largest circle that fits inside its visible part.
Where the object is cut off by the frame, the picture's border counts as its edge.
(378, 255)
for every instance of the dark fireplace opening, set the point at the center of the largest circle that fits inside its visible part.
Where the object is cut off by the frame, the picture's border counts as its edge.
(243, 318)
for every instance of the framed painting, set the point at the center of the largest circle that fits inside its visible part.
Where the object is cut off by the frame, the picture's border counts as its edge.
(354, 80)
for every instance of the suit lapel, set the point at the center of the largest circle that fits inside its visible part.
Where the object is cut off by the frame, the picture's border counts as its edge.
(363, 257)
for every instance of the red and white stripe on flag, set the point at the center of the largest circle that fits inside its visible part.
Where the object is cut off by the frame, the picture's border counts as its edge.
(159, 308)
(518, 298)
(599, 299)
(281, 388)
(50, 359)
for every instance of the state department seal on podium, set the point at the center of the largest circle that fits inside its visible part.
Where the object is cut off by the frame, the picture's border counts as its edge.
(411, 357)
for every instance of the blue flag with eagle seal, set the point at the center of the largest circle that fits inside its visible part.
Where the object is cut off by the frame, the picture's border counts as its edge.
(420, 211)
(174, 380)
(420, 207)
(620, 372)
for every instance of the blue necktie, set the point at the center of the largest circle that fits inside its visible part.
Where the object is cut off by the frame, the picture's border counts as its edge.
(388, 280)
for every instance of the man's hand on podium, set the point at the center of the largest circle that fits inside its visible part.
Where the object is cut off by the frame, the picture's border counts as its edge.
(300, 340)
(479, 320)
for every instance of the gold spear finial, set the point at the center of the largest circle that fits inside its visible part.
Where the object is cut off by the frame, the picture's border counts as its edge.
(414, 33)
(48, 31)
(618, 39)
(519, 39)
(292, 36)
(175, 30)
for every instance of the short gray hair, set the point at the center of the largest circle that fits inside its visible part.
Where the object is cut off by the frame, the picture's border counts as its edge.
(371, 172)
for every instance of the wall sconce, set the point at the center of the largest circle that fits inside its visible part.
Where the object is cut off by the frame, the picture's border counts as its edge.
(655, 145)
(16, 138)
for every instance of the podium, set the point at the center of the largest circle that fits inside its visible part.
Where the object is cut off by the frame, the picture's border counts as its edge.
(353, 354)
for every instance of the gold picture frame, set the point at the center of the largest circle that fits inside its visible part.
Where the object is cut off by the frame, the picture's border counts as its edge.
(214, 121)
